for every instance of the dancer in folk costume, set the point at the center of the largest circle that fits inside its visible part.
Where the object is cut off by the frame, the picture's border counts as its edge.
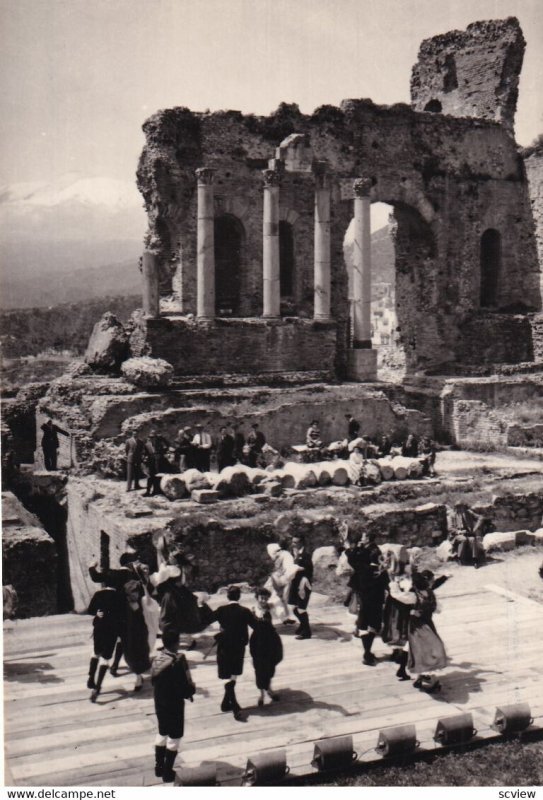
(106, 607)
(131, 581)
(265, 646)
(172, 685)
(369, 580)
(235, 621)
(284, 570)
(300, 587)
(426, 649)
(396, 613)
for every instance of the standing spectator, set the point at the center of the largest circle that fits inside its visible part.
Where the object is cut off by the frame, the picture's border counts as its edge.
(427, 451)
(106, 608)
(50, 444)
(239, 443)
(265, 646)
(202, 443)
(300, 588)
(235, 621)
(154, 454)
(225, 450)
(255, 441)
(134, 453)
(172, 685)
(184, 450)
(410, 447)
(353, 427)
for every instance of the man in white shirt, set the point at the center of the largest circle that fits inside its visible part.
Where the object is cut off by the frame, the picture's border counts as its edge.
(202, 443)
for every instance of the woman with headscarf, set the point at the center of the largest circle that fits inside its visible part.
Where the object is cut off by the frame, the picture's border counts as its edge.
(426, 649)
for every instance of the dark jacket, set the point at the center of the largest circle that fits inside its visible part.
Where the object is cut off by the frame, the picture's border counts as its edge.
(225, 450)
(256, 441)
(134, 450)
(353, 429)
(49, 440)
(235, 621)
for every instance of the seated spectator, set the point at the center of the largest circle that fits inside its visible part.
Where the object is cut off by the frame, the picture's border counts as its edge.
(385, 446)
(427, 452)
(313, 435)
(410, 448)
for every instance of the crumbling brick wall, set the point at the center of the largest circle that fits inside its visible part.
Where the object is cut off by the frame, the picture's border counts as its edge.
(471, 73)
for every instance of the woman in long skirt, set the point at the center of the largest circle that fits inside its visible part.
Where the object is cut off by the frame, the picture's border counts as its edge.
(265, 646)
(426, 650)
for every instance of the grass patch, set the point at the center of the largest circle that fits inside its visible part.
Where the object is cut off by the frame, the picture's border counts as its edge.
(501, 764)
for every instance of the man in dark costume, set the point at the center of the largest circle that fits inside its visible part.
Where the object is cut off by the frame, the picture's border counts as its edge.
(106, 607)
(134, 453)
(300, 588)
(225, 450)
(50, 444)
(128, 582)
(172, 685)
(154, 454)
(369, 581)
(235, 621)
(184, 450)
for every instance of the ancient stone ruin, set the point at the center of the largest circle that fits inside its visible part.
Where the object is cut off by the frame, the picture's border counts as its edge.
(252, 313)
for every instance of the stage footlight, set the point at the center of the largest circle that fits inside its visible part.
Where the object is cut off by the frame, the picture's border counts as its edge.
(266, 768)
(397, 741)
(334, 753)
(455, 730)
(513, 718)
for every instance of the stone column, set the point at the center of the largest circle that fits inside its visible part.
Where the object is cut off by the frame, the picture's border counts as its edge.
(321, 308)
(149, 273)
(362, 265)
(205, 273)
(271, 275)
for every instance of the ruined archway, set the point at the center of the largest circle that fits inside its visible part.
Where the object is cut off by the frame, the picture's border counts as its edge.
(229, 241)
(405, 325)
(491, 257)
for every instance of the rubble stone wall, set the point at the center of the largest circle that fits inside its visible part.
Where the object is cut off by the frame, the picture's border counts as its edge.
(442, 174)
(471, 73)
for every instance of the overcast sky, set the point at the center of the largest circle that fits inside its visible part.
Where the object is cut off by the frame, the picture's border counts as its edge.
(78, 77)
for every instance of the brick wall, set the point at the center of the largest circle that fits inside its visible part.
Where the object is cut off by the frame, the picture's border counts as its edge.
(238, 345)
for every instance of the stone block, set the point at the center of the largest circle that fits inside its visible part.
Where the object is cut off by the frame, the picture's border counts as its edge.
(108, 344)
(444, 551)
(205, 496)
(324, 559)
(272, 488)
(147, 372)
(523, 537)
(499, 541)
(538, 536)
(362, 365)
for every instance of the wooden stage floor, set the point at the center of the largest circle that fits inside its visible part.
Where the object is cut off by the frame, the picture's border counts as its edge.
(55, 737)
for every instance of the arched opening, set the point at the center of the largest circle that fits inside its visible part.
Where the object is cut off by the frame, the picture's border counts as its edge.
(403, 296)
(434, 106)
(286, 260)
(229, 239)
(491, 253)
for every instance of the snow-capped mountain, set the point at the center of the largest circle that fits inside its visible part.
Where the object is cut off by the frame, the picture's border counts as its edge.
(108, 193)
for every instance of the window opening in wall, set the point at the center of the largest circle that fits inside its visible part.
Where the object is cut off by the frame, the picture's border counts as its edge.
(104, 551)
(434, 106)
(491, 255)
(229, 240)
(286, 259)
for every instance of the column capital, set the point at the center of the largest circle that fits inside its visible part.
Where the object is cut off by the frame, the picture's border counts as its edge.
(362, 187)
(272, 177)
(205, 176)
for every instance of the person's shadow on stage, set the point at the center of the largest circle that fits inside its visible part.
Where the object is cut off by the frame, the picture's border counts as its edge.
(458, 686)
(294, 701)
(30, 672)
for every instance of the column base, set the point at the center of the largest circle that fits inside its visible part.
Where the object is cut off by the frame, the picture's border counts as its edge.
(362, 365)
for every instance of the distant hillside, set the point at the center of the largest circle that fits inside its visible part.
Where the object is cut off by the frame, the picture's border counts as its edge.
(27, 332)
(382, 255)
(25, 288)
